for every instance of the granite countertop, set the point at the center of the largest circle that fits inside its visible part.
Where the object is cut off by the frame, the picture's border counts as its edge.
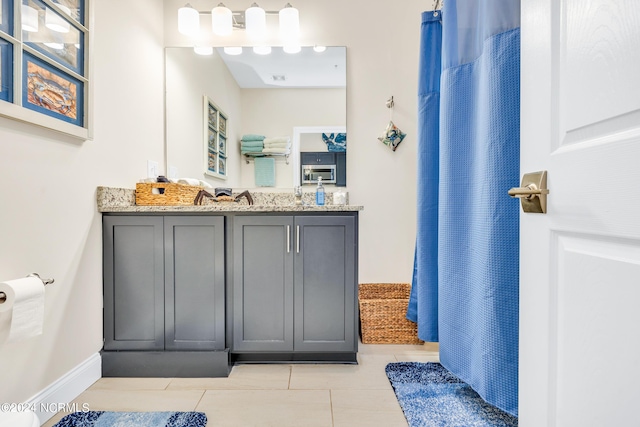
(123, 200)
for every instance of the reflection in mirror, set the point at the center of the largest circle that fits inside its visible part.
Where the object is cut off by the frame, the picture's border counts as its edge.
(270, 95)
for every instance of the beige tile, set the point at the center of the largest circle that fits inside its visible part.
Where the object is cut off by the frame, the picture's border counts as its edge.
(242, 377)
(388, 348)
(415, 356)
(281, 408)
(135, 400)
(366, 408)
(131, 384)
(367, 375)
(141, 400)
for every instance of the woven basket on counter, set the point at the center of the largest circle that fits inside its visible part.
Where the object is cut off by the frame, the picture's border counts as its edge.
(383, 311)
(173, 195)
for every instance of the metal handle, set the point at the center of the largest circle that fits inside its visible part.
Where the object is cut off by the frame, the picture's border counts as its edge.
(533, 193)
(527, 192)
(297, 239)
(288, 239)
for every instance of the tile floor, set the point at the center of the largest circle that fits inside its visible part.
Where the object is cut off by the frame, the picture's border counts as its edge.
(273, 395)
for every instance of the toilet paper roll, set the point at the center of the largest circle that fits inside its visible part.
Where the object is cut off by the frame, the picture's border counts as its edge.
(25, 302)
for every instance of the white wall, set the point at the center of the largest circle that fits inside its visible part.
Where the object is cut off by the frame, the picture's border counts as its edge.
(382, 40)
(48, 218)
(189, 78)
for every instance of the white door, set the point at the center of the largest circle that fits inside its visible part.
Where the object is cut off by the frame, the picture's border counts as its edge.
(580, 263)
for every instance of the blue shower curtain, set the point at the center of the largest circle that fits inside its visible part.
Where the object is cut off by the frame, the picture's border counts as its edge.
(472, 268)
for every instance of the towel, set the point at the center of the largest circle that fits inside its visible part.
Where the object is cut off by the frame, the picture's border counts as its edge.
(265, 172)
(278, 145)
(252, 137)
(276, 139)
(276, 151)
(251, 144)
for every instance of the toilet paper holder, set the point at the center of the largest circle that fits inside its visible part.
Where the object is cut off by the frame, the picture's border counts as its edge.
(3, 297)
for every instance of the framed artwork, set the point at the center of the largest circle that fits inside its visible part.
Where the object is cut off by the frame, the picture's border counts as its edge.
(211, 162)
(222, 145)
(50, 91)
(222, 124)
(43, 64)
(212, 141)
(222, 165)
(215, 139)
(6, 76)
(213, 117)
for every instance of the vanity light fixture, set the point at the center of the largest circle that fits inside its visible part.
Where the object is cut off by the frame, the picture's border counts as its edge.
(29, 19)
(253, 20)
(54, 22)
(319, 49)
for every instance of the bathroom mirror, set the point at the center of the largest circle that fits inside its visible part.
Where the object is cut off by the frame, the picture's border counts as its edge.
(271, 95)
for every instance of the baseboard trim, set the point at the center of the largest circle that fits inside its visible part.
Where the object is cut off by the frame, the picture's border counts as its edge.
(61, 392)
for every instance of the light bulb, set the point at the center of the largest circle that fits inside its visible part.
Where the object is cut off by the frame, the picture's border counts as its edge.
(55, 22)
(291, 48)
(255, 20)
(233, 50)
(289, 23)
(221, 20)
(54, 45)
(319, 49)
(262, 50)
(203, 50)
(188, 20)
(29, 19)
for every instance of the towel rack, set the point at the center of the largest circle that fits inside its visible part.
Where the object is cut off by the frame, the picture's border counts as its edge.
(3, 297)
(248, 156)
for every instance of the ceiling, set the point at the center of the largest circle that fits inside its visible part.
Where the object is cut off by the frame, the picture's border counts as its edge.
(305, 69)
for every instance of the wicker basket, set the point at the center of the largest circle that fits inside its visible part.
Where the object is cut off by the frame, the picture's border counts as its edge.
(383, 310)
(174, 194)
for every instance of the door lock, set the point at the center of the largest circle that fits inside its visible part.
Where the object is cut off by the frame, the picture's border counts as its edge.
(533, 193)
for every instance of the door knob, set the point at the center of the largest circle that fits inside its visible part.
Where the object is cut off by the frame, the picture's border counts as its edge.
(533, 193)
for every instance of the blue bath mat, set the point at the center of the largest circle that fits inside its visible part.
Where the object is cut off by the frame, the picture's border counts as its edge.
(133, 419)
(431, 396)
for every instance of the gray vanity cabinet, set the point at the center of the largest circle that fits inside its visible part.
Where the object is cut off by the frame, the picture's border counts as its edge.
(194, 313)
(164, 303)
(133, 283)
(294, 288)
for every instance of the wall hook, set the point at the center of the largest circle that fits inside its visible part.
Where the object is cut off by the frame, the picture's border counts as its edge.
(390, 103)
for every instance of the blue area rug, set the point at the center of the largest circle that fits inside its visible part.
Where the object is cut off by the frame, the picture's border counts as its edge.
(431, 396)
(133, 419)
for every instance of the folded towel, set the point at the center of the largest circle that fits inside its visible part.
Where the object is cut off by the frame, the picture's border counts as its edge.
(276, 139)
(251, 147)
(252, 137)
(278, 145)
(252, 152)
(265, 172)
(189, 181)
(276, 151)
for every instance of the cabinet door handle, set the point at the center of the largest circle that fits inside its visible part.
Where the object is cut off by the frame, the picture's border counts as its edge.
(288, 239)
(297, 239)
